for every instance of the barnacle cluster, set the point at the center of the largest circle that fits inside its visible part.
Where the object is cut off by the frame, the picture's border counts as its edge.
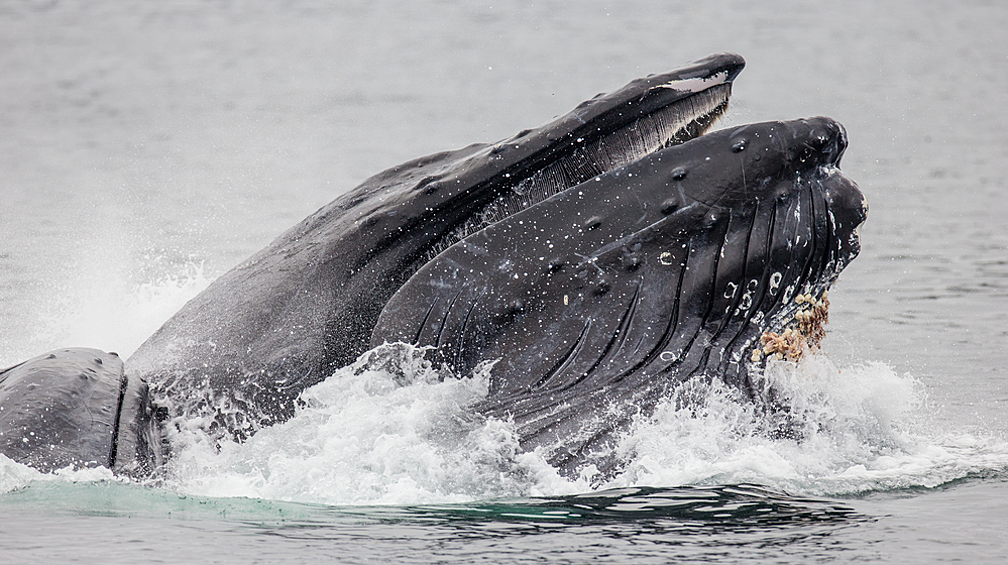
(807, 331)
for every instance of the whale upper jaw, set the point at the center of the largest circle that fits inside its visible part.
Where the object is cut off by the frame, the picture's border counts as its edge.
(493, 182)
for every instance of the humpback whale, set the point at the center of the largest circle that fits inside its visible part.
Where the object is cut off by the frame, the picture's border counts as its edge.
(599, 261)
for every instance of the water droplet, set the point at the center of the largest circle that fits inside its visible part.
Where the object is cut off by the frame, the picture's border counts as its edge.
(603, 286)
(669, 206)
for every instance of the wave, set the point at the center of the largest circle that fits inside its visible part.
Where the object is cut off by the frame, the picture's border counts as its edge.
(392, 429)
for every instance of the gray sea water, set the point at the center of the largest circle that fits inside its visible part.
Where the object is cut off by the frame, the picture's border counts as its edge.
(145, 148)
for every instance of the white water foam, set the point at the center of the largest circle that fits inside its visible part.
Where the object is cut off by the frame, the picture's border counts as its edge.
(15, 476)
(856, 429)
(392, 429)
(389, 429)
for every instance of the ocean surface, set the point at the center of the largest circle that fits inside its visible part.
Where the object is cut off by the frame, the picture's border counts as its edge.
(148, 147)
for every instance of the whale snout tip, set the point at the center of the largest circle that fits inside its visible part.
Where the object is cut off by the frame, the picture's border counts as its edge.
(731, 64)
(826, 138)
(840, 142)
(845, 198)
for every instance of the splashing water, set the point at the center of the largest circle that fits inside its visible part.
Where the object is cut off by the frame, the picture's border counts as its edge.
(393, 429)
(848, 425)
(96, 308)
(388, 429)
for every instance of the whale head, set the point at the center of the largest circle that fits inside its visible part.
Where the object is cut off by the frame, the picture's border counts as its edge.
(600, 260)
(698, 261)
(308, 304)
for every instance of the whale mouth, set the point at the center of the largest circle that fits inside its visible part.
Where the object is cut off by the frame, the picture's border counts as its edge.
(672, 125)
(664, 115)
(797, 328)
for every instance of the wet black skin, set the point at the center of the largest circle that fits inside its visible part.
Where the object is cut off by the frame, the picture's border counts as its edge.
(75, 407)
(596, 291)
(307, 304)
(599, 301)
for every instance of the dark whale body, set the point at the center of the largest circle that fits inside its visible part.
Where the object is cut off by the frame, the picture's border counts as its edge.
(601, 260)
(76, 407)
(603, 299)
